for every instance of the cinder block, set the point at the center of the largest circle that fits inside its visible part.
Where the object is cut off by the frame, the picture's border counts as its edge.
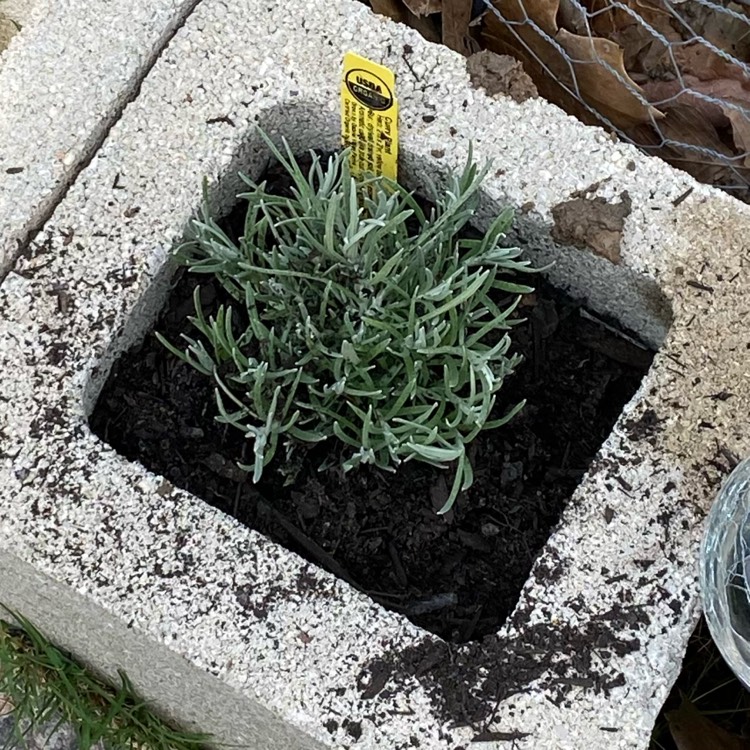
(64, 79)
(129, 572)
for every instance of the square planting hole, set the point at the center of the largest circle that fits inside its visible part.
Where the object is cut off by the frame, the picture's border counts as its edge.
(457, 575)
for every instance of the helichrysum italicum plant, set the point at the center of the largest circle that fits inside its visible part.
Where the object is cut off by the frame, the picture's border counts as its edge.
(357, 316)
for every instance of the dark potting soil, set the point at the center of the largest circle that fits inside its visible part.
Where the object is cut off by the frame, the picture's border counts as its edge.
(458, 575)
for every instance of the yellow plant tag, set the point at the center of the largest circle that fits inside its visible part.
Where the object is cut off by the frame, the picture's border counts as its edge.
(369, 117)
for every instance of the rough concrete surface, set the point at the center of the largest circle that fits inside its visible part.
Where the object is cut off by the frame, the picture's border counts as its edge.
(128, 571)
(48, 736)
(63, 80)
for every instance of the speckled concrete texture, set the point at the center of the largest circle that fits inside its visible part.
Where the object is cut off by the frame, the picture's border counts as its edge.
(128, 571)
(48, 736)
(64, 80)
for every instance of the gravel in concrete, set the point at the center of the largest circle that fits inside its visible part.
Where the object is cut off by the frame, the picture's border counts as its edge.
(63, 80)
(207, 616)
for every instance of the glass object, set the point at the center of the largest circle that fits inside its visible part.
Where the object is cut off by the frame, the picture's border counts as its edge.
(725, 571)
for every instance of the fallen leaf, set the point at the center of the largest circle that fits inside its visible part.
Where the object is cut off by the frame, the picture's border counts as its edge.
(456, 18)
(500, 75)
(390, 8)
(424, 7)
(607, 17)
(740, 130)
(684, 137)
(596, 74)
(592, 223)
(398, 12)
(726, 27)
(703, 63)
(518, 42)
(645, 31)
(541, 12)
(603, 81)
(661, 74)
(670, 94)
(644, 56)
(573, 17)
(724, 102)
(693, 731)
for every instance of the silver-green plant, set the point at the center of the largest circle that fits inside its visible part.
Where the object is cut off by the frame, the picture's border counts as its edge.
(356, 315)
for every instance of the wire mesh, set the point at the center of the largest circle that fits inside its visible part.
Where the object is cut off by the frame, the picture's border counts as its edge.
(672, 78)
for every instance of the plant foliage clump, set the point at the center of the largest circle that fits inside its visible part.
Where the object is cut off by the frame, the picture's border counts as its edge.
(357, 315)
(44, 689)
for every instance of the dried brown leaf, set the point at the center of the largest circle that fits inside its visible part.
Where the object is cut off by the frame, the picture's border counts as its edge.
(713, 100)
(397, 11)
(729, 29)
(703, 63)
(692, 731)
(615, 96)
(608, 18)
(666, 95)
(456, 18)
(685, 124)
(531, 50)
(613, 48)
(393, 9)
(740, 131)
(639, 27)
(682, 123)
(542, 12)
(424, 7)
(573, 17)
(644, 56)
(719, 88)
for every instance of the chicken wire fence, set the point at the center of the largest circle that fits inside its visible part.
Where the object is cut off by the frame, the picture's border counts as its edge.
(670, 77)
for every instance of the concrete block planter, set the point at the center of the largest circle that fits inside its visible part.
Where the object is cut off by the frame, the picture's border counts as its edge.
(226, 631)
(64, 80)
